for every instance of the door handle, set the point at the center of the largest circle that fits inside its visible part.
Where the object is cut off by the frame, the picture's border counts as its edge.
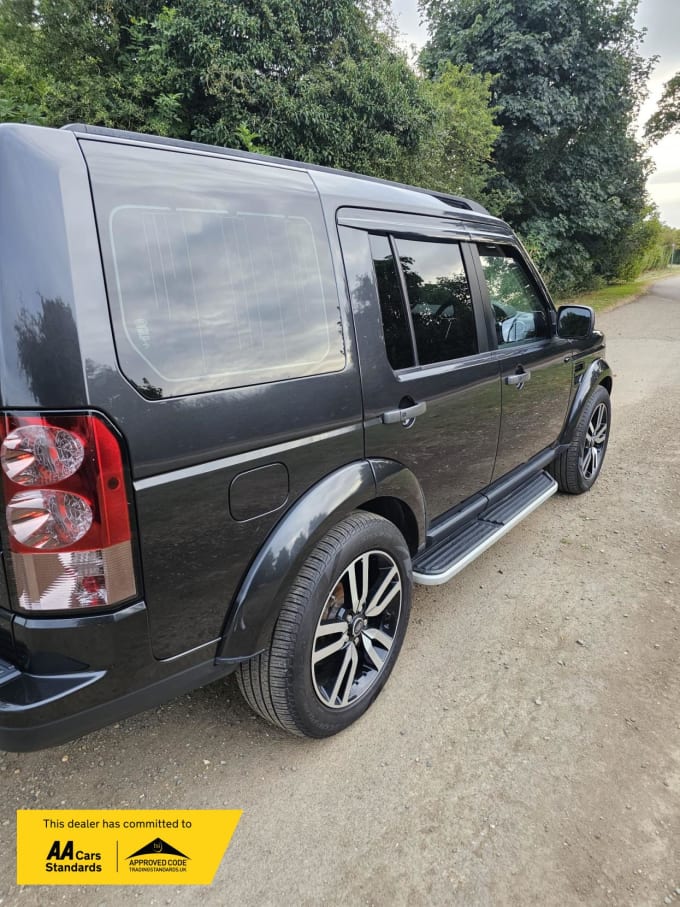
(405, 416)
(519, 380)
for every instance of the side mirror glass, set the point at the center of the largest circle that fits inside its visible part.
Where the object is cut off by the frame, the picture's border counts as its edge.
(575, 322)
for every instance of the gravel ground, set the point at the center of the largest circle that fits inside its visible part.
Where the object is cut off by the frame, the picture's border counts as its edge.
(525, 751)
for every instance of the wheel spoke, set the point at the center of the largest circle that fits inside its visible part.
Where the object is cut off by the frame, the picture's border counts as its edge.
(379, 636)
(595, 459)
(585, 462)
(338, 626)
(329, 650)
(351, 674)
(353, 592)
(601, 435)
(370, 651)
(350, 663)
(383, 595)
(364, 580)
(358, 600)
(600, 415)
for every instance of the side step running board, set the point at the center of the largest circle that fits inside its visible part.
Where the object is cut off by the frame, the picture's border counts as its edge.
(438, 564)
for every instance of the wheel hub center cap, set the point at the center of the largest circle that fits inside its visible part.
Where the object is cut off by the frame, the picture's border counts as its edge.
(358, 625)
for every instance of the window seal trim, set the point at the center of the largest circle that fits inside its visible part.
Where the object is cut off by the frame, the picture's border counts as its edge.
(510, 350)
(449, 365)
(406, 306)
(432, 225)
(476, 294)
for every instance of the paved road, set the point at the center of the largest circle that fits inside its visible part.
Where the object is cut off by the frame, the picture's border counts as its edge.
(526, 750)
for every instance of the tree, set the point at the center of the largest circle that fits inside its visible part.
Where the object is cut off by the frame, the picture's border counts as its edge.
(323, 82)
(313, 80)
(667, 117)
(665, 248)
(76, 62)
(568, 82)
(455, 152)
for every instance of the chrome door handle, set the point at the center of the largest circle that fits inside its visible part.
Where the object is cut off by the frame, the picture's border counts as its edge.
(405, 416)
(519, 380)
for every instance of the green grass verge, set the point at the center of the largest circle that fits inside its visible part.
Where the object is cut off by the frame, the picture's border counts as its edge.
(619, 293)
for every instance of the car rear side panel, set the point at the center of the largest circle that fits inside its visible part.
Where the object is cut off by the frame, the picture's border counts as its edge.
(40, 360)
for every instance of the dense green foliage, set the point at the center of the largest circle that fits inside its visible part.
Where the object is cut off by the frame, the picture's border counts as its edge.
(666, 250)
(526, 105)
(667, 117)
(568, 82)
(305, 79)
(456, 149)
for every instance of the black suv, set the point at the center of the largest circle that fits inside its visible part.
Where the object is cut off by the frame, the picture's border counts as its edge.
(246, 402)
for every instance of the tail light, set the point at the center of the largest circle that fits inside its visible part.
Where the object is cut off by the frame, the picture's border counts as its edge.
(67, 511)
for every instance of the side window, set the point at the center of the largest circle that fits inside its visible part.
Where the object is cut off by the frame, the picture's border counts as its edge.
(218, 271)
(395, 326)
(519, 312)
(439, 300)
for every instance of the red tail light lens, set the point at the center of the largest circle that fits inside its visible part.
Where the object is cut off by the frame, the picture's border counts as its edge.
(69, 531)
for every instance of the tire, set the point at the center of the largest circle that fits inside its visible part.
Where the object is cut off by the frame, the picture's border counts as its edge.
(331, 606)
(577, 468)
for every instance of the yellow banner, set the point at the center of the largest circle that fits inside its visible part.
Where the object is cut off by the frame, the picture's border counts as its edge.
(122, 846)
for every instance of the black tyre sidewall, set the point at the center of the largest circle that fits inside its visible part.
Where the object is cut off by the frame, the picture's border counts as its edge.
(312, 716)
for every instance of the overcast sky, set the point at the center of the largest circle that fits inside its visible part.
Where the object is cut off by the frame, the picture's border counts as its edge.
(661, 18)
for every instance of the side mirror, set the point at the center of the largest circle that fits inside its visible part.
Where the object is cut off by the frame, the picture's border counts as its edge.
(575, 322)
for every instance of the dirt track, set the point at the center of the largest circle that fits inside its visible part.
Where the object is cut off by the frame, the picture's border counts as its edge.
(525, 751)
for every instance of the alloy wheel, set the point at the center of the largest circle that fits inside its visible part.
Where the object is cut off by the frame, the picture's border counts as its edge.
(595, 443)
(356, 630)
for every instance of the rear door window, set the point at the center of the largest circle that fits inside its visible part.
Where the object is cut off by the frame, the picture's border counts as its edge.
(218, 271)
(425, 301)
(439, 300)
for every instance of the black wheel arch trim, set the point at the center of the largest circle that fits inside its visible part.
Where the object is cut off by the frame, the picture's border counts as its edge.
(393, 480)
(597, 373)
(251, 618)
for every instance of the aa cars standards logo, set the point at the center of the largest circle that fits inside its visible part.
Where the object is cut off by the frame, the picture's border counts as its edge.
(157, 856)
(67, 857)
(122, 847)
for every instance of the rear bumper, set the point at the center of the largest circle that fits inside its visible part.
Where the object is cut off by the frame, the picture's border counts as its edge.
(72, 675)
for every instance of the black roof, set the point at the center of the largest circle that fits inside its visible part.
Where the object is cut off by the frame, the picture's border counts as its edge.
(454, 201)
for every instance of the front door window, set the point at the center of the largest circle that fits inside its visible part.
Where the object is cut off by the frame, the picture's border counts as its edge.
(519, 313)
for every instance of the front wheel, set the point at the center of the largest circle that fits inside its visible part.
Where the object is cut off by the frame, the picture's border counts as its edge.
(577, 468)
(339, 632)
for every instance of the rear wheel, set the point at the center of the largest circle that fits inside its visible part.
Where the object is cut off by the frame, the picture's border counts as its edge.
(339, 632)
(577, 468)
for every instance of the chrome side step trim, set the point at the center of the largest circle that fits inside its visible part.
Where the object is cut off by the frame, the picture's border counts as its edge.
(436, 579)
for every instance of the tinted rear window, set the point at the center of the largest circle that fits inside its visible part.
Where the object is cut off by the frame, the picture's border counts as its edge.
(218, 272)
(439, 296)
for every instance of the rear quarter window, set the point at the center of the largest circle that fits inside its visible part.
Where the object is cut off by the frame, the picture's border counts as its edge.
(218, 271)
